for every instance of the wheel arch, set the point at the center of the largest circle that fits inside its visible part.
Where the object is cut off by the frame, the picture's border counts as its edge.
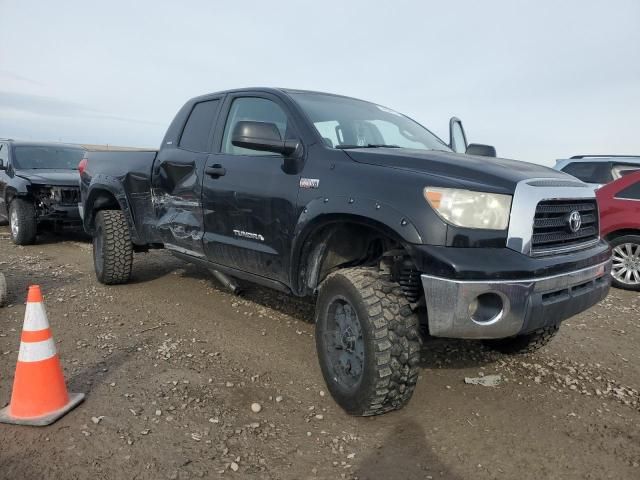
(105, 197)
(11, 193)
(338, 240)
(622, 232)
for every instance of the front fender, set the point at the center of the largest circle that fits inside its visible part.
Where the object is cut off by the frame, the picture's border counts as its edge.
(366, 210)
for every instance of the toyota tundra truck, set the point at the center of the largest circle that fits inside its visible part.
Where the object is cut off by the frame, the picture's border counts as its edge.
(396, 235)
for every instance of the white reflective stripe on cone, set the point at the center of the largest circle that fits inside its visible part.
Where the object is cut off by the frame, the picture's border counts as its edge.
(35, 317)
(36, 351)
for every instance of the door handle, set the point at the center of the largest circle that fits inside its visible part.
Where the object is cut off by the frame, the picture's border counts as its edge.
(215, 171)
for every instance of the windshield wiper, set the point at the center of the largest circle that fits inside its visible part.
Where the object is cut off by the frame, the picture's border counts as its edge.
(368, 145)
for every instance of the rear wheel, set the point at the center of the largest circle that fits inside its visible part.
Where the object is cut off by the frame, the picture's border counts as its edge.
(625, 271)
(367, 340)
(527, 343)
(112, 248)
(22, 222)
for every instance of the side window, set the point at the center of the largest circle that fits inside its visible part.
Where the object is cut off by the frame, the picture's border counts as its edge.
(632, 192)
(256, 110)
(590, 172)
(195, 136)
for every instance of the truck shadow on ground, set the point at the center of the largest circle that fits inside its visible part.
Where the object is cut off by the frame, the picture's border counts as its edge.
(437, 353)
(404, 454)
(154, 265)
(447, 353)
(48, 238)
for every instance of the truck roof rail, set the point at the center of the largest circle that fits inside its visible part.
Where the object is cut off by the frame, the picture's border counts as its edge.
(604, 156)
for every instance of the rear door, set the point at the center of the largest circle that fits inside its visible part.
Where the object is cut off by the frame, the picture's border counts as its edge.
(177, 180)
(248, 200)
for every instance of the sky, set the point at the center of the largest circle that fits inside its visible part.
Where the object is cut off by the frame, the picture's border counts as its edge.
(538, 79)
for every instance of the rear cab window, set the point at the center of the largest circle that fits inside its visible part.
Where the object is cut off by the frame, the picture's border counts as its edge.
(197, 131)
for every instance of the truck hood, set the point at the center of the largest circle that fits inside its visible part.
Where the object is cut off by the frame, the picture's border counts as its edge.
(58, 177)
(454, 169)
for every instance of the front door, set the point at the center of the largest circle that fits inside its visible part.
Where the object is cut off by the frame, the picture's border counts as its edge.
(248, 200)
(177, 181)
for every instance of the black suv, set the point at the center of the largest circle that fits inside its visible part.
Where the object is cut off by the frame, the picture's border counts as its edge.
(38, 187)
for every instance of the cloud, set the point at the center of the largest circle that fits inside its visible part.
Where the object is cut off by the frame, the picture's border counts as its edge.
(55, 107)
(19, 78)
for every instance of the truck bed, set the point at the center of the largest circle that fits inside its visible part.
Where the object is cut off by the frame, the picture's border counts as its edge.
(131, 169)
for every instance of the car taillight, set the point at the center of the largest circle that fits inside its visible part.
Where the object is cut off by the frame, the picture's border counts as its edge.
(82, 166)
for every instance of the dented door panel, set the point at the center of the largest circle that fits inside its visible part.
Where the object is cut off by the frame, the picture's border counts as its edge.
(176, 194)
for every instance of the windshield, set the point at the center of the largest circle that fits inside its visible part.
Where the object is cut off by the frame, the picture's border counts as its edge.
(41, 157)
(350, 123)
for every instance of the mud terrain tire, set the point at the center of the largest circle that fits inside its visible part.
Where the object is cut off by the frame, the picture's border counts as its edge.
(112, 248)
(381, 348)
(528, 343)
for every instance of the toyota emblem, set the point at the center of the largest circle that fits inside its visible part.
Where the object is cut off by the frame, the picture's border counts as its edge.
(574, 221)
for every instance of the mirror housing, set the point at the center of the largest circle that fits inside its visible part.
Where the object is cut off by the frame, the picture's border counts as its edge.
(262, 136)
(481, 150)
(457, 135)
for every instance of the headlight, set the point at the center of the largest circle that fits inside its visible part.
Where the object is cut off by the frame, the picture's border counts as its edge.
(469, 209)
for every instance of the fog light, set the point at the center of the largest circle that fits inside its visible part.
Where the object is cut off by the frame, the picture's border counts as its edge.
(486, 309)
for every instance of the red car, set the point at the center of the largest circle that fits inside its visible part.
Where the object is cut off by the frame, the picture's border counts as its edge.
(619, 203)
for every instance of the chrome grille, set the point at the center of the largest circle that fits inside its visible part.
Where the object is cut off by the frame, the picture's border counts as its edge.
(551, 232)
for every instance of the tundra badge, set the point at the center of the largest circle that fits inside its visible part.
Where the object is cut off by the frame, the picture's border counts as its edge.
(309, 182)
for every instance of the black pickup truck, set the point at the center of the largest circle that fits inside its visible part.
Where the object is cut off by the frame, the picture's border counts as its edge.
(39, 187)
(395, 234)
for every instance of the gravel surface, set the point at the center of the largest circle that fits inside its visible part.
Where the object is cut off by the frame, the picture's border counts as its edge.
(184, 380)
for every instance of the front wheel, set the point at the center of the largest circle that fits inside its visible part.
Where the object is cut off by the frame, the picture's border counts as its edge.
(625, 271)
(367, 340)
(22, 222)
(112, 248)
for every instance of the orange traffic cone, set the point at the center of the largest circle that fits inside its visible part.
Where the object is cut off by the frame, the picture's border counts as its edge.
(39, 394)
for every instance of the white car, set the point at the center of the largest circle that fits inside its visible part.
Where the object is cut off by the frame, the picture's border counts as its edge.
(598, 170)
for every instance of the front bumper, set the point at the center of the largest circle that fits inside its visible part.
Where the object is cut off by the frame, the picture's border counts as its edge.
(64, 215)
(504, 308)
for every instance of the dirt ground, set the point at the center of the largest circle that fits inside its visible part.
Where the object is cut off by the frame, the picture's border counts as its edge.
(171, 364)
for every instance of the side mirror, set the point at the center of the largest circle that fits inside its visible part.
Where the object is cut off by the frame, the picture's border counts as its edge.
(481, 150)
(457, 137)
(262, 136)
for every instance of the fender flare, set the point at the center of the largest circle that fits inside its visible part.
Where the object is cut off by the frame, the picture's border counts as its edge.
(321, 212)
(112, 186)
(11, 193)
